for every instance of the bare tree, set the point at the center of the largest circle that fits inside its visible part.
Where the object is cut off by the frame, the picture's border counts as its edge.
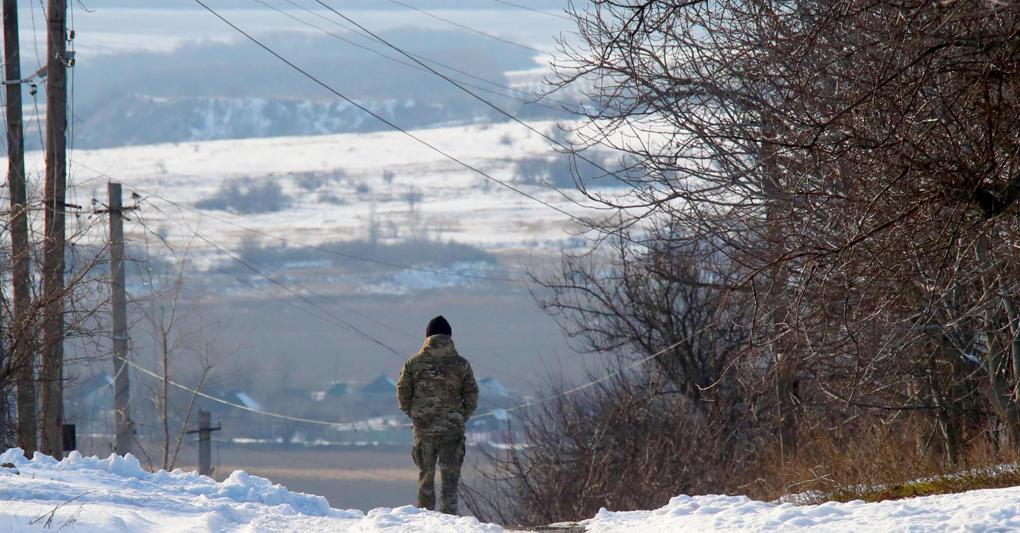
(857, 160)
(173, 336)
(847, 175)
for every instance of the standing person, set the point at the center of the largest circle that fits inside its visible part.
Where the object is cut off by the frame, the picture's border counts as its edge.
(437, 390)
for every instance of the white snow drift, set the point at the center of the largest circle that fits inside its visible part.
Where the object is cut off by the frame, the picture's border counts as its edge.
(116, 494)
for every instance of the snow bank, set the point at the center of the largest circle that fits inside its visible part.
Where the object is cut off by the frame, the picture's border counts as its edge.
(115, 494)
(980, 510)
(126, 471)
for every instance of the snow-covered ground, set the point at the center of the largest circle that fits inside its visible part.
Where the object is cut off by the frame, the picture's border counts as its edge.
(115, 494)
(337, 187)
(979, 510)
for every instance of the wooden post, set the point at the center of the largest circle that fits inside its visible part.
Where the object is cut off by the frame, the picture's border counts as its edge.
(204, 444)
(204, 431)
(51, 375)
(23, 349)
(121, 385)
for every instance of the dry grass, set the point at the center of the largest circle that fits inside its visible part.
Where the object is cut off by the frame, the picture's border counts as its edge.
(945, 484)
(876, 464)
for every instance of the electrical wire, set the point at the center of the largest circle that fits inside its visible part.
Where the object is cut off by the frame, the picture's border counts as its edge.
(365, 424)
(535, 99)
(384, 120)
(466, 27)
(457, 84)
(299, 244)
(344, 255)
(181, 207)
(510, 116)
(329, 317)
(533, 10)
(345, 307)
(352, 425)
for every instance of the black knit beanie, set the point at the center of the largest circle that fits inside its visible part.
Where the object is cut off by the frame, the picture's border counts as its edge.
(438, 326)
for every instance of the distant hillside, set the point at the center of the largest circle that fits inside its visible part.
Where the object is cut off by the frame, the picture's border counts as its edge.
(215, 90)
(138, 120)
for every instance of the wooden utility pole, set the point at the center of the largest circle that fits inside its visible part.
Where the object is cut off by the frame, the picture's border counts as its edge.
(121, 382)
(23, 349)
(51, 375)
(204, 431)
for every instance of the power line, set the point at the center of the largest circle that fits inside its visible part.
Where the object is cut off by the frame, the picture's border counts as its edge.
(349, 309)
(419, 65)
(299, 244)
(535, 99)
(358, 424)
(533, 10)
(338, 253)
(594, 382)
(353, 425)
(385, 325)
(495, 107)
(467, 28)
(382, 119)
(336, 320)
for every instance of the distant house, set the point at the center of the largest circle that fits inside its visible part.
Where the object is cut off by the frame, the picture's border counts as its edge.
(90, 402)
(492, 390)
(339, 390)
(380, 386)
(100, 384)
(243, 398)
(335, 391)
(235, 396)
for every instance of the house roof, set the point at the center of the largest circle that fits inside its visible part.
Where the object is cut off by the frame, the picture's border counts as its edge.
(243, 398)
(491, 387)
(94, 384)
(380, 385)
(339, 389)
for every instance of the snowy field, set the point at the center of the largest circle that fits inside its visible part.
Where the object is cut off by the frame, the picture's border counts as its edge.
(115, 494)
(337, 187)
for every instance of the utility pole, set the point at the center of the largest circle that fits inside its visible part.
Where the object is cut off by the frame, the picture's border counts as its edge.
(51, 375)
(24, 360)
(121, 381)
(204, 431)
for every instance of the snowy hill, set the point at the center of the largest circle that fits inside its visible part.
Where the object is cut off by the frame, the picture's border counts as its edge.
(333, 186)
(115, 494)
(135, 120)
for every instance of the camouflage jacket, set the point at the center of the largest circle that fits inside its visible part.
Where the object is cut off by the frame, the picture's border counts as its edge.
(437, 388)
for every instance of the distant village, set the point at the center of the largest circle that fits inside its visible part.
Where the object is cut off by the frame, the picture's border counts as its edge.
(365, 414)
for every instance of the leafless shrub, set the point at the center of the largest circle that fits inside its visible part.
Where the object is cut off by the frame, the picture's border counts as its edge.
(313, 181)
(625, 444)
(247, 196)
(676, 415)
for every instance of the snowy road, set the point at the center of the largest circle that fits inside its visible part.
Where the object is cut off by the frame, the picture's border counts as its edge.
(115, 494)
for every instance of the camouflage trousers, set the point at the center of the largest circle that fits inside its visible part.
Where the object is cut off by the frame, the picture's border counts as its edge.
(448, 450)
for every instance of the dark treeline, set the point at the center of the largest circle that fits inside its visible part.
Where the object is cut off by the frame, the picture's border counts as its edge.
(821, 244)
